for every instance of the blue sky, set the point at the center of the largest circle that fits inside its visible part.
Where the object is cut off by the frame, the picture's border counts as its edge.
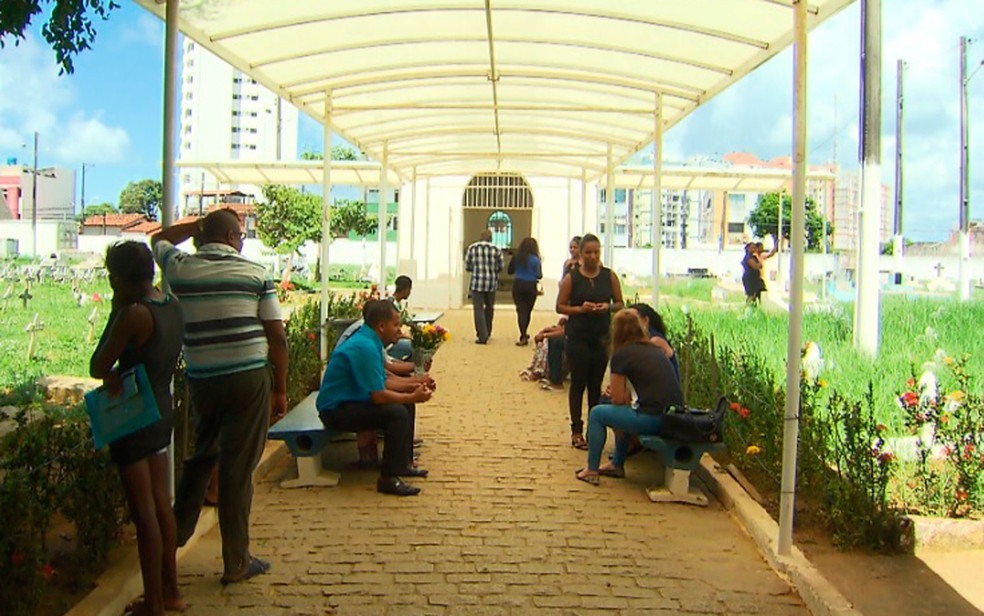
(108, 113)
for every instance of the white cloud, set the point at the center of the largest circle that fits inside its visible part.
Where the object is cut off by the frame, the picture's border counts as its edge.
(89, 140)
(147, 30)
(37, 99)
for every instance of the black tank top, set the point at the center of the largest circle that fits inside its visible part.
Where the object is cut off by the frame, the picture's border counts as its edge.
(597, 290)
(160, 354)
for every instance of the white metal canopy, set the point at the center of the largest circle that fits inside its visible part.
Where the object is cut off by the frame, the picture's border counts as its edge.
(343, 172)
(367, 173)
(540, 87)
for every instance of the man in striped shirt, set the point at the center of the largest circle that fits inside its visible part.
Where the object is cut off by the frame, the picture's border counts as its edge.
(235, 350)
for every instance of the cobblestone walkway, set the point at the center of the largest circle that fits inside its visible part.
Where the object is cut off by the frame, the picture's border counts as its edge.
(501, 527)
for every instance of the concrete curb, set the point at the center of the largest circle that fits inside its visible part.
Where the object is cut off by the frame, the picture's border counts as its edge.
(820, 596)
(122, 583)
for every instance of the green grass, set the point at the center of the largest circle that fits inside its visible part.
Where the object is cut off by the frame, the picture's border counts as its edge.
(905, 345)
(61, 347)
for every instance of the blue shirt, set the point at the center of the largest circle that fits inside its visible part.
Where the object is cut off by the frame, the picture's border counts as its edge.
(354, 372)
(530, 271)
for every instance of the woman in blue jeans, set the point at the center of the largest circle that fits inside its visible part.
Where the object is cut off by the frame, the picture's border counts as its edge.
(644, 366)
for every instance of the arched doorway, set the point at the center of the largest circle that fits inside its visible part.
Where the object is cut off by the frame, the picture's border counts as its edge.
(502, 203)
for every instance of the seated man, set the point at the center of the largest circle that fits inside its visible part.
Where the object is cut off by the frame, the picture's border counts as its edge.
(354, 396)
(401, 349)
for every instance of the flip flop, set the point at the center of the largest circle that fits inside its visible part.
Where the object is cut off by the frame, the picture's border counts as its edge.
(618, 473)
(255, 567)
(591, 479)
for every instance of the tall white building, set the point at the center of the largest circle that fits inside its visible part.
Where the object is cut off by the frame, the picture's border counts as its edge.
(225, 115)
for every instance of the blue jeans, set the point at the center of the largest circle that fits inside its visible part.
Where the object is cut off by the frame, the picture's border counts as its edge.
(618, 417)
(401, 349)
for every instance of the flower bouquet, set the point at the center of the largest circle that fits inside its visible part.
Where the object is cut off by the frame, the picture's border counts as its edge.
(425, 339)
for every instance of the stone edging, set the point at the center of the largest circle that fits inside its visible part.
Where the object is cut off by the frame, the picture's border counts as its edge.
(122, 583)
(820, 596)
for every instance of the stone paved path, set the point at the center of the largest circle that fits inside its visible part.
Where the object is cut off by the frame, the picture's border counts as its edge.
(501, 527)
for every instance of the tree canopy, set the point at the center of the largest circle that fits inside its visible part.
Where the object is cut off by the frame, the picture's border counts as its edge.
(99, 208)
(338, 152)
(143, 197)
(351, 217)
(764, 219)
(287, 218)
(69, 29)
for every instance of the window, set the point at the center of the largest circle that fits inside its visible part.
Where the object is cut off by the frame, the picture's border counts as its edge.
(501, 226)
(187, 113)
(236, 129)
(236, 97)
(736, 227)
(252, 114)
(235, 146)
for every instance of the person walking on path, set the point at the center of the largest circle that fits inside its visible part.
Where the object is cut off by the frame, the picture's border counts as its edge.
(145, 328)
(234, 335)
(588, 295)
(484, 260)
(639, 362)
(528, 269)
(354, 397)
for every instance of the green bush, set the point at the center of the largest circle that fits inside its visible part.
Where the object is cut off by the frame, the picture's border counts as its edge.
(49, 466)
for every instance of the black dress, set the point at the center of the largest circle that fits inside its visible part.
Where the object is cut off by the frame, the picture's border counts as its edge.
(751, 279)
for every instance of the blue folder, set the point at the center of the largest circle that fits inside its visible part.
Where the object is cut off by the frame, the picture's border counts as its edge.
(113, 417)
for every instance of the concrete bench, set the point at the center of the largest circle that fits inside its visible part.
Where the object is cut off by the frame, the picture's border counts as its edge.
(301, 429)
(679, 459)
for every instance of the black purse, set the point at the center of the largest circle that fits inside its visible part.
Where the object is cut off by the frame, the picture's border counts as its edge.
(694, 425)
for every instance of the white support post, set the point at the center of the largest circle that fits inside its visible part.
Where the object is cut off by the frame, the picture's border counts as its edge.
(381, 217)
(790, 433)
(610, 211)
(867, 307)
(413, 222)
(325, 226)
(170, 125)
(170, 135)
(657, 206)
(584, 202)
(427, 215)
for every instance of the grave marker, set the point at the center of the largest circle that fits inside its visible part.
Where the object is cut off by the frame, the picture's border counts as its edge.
(92, 318)
(26, 295)
(32, 329)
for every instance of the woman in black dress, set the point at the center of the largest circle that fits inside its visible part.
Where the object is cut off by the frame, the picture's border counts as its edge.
(588, 295)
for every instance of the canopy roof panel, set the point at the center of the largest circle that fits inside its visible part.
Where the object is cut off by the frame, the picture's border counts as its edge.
(466, 86)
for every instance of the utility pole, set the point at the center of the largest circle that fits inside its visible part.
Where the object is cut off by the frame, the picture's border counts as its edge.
(82, 204)
(898, 245)
(867, 308)
(964, 184)
(34, 200)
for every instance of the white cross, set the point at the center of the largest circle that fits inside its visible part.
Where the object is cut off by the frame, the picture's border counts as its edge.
(33, 328)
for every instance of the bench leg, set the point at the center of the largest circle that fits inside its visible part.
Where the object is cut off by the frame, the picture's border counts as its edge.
(310, 473)
(676, 489)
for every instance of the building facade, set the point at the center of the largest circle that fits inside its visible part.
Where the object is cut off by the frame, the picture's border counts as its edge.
(55, 193)
(226, 115)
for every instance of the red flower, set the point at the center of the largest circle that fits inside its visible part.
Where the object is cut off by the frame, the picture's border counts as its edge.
(744, 412)
(17, 558)
(881, 427)
(886, 457)
(909, 399)
(961, 495)
(311, 336)
(735, 406)
(96, 298)
(911, 382)
(48, 571)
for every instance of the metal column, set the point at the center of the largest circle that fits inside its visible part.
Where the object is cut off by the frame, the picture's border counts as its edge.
(381, 228)
(610, 211)
(325, 225)
(657, 208)
(170, 125)
(790, 433)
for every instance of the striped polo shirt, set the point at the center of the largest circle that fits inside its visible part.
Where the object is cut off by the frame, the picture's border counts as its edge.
(225, 298)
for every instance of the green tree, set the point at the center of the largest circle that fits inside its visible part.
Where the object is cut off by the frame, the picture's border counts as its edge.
(764, 219)
(338, 152)
(351, 217)
(143, 197)
(99, 208)
(69, 29)
(287, 218)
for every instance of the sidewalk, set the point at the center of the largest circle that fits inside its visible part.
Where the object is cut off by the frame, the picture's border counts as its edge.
(501, 527)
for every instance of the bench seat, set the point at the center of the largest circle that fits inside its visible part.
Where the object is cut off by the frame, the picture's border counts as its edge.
(305, 436)
(679, 459)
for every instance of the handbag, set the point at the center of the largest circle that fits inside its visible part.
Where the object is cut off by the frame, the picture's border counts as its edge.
(113, 417)
(694, 425)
